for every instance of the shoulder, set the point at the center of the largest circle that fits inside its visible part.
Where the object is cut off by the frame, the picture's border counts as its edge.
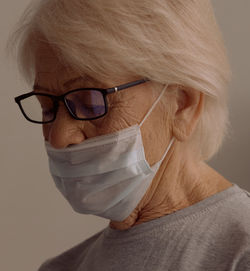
(230, 229)
(69, 259)
(233, 215)
(220, 223)
(238, 210)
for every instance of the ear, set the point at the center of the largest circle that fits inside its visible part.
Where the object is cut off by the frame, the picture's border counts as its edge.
(188, 107)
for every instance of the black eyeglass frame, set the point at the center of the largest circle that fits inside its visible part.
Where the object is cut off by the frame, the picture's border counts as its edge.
(56, 99)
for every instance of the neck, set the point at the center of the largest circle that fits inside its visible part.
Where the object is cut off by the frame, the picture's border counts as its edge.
(180, 182)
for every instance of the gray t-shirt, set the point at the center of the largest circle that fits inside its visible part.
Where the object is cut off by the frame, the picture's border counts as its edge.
(213, 234)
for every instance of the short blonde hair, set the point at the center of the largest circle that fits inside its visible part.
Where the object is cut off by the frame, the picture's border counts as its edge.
(166, 41)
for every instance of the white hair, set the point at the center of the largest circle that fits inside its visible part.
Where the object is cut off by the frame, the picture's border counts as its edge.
(166, 41)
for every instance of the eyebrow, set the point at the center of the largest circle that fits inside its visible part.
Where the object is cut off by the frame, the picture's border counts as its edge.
(66, 84)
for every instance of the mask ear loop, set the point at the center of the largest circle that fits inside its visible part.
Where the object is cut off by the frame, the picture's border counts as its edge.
(149, 112)
(167, 150)
(153, 106)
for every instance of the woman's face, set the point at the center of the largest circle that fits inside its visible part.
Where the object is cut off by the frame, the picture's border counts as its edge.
(125, 108)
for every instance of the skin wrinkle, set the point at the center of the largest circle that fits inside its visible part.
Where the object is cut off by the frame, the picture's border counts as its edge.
(181, 180)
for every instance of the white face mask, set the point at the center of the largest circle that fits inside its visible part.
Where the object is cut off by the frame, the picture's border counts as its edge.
(106, 175)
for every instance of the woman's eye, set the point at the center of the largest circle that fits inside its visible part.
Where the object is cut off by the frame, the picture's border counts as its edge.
(47, 112)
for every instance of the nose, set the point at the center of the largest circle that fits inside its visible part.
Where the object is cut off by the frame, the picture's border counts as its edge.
(64, 130)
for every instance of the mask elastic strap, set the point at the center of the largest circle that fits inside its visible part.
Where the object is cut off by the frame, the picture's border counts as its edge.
(168, 148)
(153, 106)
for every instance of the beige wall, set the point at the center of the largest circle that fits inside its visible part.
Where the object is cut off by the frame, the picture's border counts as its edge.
(36, 222)
(233, 161)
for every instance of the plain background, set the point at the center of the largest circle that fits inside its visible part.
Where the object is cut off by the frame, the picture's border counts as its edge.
(36, 222)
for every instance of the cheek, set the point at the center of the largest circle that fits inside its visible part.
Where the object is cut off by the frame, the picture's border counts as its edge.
(118, 118)
(124, 115)
(131, 110)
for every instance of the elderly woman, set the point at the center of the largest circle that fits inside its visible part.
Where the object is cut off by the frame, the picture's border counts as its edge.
(132, 99)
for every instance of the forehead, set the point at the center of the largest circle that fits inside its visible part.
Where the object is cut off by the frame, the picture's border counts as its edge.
(46, 59)
(51, 69)
(51, 73)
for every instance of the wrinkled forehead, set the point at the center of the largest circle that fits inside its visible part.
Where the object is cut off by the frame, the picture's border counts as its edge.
(46, 59)
(51, 69)
(50, 72)
(51, 66)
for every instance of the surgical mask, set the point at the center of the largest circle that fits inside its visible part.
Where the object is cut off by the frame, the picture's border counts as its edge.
(106, 175)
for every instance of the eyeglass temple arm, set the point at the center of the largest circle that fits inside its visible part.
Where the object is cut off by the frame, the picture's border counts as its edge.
(127, 85)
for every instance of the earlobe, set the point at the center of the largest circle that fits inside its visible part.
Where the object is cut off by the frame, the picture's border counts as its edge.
(188, 109)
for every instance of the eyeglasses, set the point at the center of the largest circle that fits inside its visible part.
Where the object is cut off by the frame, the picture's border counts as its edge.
(82, 103)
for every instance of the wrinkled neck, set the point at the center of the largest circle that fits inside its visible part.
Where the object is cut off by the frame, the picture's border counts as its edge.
(180, 182)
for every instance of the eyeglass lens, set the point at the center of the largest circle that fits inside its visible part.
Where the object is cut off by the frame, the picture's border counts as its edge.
(86, 103)
(38, 108)
(83, 104)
